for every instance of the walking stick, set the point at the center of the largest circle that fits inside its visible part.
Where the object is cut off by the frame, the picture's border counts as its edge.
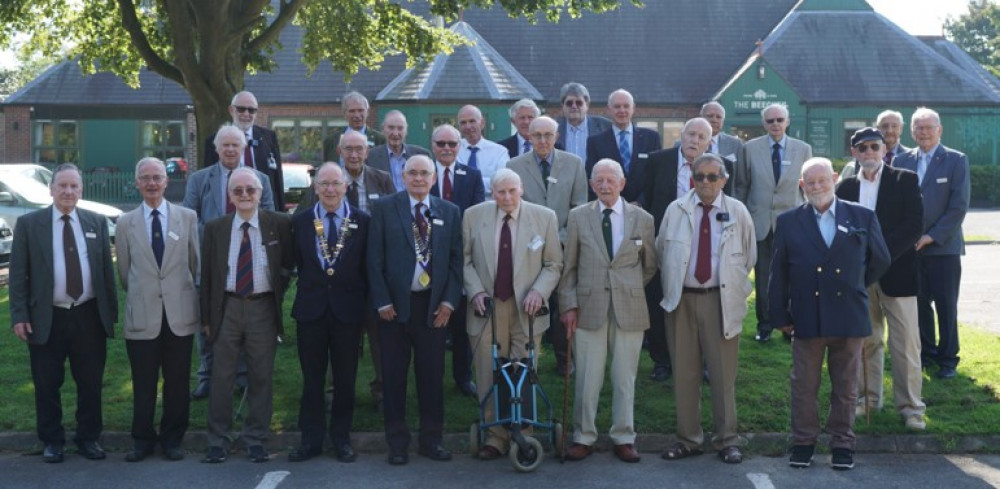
(566, 426)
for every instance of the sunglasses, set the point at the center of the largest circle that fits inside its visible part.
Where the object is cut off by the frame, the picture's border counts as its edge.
(449, 144)
(779, 120)
(862, 147)
(239, 191)
(711, 177)
(574, 103)
(241, 109)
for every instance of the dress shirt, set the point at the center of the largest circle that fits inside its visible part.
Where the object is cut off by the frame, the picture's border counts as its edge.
(617, 222)
(783, 143)
(490, 158)
(684, 174)
(362, 193)
(716, 230)
(512, 224)
(576, 138)
(147, 213)
(631, 137)
(924, 162)
(868, 191)
(59, 295)
(417, 269)
(827, 222)
(261, 280)
(440, 178)
(224, 183)
(396, 163)
(520, 144)
(714, 146)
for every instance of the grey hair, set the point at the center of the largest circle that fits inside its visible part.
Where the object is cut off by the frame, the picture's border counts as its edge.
(888, 113)
(698, 120)
(524, 103)
(244, 170)
(782, 108)
(504, 175)
(355, 96)
(707, 158)
(230, 128)
(149, 160)
(445, 127)
(609, 163)
(924, 113)
(574, 89)
(65, 167)
(716, 104)
(814, 162)
(544, 120)
(244, 92)
(631, 100)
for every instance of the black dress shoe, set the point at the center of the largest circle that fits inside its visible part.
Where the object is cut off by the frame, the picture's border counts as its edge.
(467, 388)
(398, 458)
(946, 373)
(173, 454)
(257, 454)
(763, 336)
(200, 392)
(53, 454)
(138, 454)
(660, 373)
(435, 452)
(91, 450)
(215, 455)
(303, 453)
(345, 453)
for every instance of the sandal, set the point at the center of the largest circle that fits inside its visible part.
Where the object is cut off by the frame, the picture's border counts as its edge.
(731, 455)
(679, 450)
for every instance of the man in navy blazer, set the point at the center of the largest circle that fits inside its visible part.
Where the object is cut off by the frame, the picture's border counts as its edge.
(415, 299)
(944, 182)
(637, 142)
(826, 253)
(895, 197)
(575, 125)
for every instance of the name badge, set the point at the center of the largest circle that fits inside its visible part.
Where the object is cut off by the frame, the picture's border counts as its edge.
(552, 180)
(643, 156)
(438, 222)
(942, 180)
(536, 243)
(373, 196)
(786, 163)
(352, 225)
(841, 228)
(730, 156)
(459, 171)
(90, 235)
(173, 236)
(638, 242)
(273, 243)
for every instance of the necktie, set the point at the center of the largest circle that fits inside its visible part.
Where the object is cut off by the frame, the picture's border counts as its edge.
(625, 150)
(922, 167)
(472, 157)
(332, 235)
(544, 166)
(527, 146)
(244, 264)
(418, 218)
(230, 207)
(248, 154)
(776, 161)
(157, 229)
(446, 185)
(703, 267)
(889, 155)
(503, 283)
(606, 229)
(74, 274)
(352, 195)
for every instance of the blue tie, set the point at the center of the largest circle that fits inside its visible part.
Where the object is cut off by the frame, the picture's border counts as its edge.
(776, 162)
(624, 150)
(472, 157)
(527, 146)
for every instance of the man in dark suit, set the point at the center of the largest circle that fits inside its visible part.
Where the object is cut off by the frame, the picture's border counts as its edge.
(261, 151)
(894, 195)
(391, 156)
(944, 183)
(463, 186)
(355, 106)
(575, 125)
(826, 253)
(64, 304)
(330, 309)
(242, 288)
(625, 143)
(521, 114)
(415, 280)
(364, 183)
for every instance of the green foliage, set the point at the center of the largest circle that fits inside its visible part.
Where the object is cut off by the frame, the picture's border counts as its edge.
(978, 33)
(985, 181)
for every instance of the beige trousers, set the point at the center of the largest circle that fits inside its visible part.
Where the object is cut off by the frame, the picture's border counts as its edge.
(904, 346)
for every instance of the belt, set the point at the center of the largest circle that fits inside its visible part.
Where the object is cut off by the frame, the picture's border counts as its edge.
(251, 297)
(701, 290)
(70, 305)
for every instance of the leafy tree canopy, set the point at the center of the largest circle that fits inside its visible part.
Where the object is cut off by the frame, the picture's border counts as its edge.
(978, 33)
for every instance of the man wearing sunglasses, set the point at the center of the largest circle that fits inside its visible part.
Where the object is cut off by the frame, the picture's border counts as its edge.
(575, 125)
(890, 125)
(767, 181)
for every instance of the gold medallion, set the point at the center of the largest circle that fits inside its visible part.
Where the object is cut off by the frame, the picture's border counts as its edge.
(329, 271)
(424, 279)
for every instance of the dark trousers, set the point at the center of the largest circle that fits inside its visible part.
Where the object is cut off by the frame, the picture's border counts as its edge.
(76, 335)
(206, 356)
(461, 352)
(843, 362)
(171, 354)
(557, 332)
(762, 271)
(327, 343)
(656, 335)
(939, 279)
(425, 344)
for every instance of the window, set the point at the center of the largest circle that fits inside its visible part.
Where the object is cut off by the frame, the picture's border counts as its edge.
(668, 129)
(850, 126)
(301, 140)
(56, 142)
(163, 139)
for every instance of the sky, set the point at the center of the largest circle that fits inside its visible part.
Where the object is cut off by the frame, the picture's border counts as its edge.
(918, 17)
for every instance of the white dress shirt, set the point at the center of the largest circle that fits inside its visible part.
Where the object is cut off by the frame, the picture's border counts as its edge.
(261, 280)
(716, 231)
(617, 223)
(59, 295)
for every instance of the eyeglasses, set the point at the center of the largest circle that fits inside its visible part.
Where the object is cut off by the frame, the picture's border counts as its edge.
(442, 144)
(326, 184)
(779, 120)
(711, 177)
(152, 178)
(241, 109)
(574, 103)
(862, 147)
(239, 191)
(419, 173)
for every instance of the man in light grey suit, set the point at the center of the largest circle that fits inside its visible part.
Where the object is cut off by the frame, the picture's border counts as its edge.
(575, 125)
(609, 254)
(158, 263)
(767, 181)
(391, 156)
(512, 254)
(64, 304)
(723, 144)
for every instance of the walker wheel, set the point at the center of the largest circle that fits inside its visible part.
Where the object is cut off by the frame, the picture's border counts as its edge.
(526, 458)
(474, 439)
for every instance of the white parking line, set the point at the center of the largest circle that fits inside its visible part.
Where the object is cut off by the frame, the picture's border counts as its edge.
(975, 468)
(272, 479)
(760, 481)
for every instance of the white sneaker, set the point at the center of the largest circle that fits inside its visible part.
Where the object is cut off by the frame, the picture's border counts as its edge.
(916, 422)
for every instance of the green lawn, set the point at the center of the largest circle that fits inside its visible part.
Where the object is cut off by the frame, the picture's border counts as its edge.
(969, 404)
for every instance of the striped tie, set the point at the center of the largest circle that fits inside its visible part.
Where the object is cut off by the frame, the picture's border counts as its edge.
(244, 265)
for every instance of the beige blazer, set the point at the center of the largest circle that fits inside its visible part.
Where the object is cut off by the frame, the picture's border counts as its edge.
(151, 290)
(537, 254)
(567, 183)
(755, 185)
(591, 282)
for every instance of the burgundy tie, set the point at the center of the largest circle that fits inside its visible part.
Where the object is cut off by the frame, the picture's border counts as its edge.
(74, 273)
(703, 267)
(888, 157)
(248, 155)
(503, 283)
(446, 193)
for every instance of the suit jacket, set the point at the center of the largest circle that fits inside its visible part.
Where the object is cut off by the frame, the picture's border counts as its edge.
(513, 150)
(276, 238)
(266, 159)
(595, 125)
(661, 182)
(822, 291)
(729, 146)
(345, 293)
(467, 187)
(900, 212)
(378, 184)
(152, 290)
(32, 276)
(378, 156)
(205, 198)
(375, 138)
(946, 188)
(851, 168)
(567, 185)
(594, 283)
(604, 145)
(755, 185)
(391, 263)
(537, 256)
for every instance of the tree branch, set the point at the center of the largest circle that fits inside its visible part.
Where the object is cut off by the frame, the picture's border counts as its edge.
(286, 13)
(131, 24)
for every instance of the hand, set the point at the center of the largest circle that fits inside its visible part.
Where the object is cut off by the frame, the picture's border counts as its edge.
(441, 316)
(387, 313)
(924, 241)
(205, 329)
(479, 304)
(533, 302)
(788, 329)
(23, 330)
(569, 318)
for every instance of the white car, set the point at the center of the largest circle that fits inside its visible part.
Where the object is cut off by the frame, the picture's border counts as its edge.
(6, 242)
(20, 195)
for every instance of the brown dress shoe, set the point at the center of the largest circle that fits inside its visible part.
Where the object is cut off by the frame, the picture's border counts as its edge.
(627, 453)
(578, 451)
(488, 452)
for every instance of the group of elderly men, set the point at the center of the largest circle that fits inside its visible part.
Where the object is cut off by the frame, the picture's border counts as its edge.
(403, 244)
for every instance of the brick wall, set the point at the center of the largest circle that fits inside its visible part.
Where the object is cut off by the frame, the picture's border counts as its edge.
(16, 143)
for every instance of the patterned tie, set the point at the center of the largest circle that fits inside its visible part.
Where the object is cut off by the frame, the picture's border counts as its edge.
(74, 274)
(248, 154)
(703, 267)
(421, 222)
(446, 186)
(352, 195)
(527, 147)
(230, 207)
(473, 162)
(157, 229)
(244, 264)
(503, 283)
(544, 167)
(889, 155)
(625, 150)
(606, 229)
(776, 162)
